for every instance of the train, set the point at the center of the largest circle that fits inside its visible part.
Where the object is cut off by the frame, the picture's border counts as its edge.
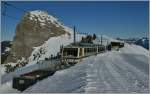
(69, 55)
(73, 53)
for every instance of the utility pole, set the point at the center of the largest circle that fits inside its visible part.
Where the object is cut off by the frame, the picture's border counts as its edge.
(74, 29)
(101, 40)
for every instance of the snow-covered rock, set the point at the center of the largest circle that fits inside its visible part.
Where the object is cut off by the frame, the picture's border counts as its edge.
(38, 31)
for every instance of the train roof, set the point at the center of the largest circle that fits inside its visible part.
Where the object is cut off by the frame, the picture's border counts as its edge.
(83, 45)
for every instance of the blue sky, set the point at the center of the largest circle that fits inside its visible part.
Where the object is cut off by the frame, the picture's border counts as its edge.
(113, 18)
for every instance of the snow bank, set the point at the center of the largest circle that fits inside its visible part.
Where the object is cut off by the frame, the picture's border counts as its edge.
(134, 49)
(7, 88)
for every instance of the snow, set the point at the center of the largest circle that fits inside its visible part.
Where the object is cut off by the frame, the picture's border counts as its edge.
(11, 63)
(7, 49)
(2, 69)
(52, 46)
(110, 72)
(134, 49)
(43, 17)
(7, 88)
(124, 71)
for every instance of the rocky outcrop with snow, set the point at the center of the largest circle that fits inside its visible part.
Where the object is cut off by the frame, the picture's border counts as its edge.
(34, 29)
(38, 36)
(5, 50)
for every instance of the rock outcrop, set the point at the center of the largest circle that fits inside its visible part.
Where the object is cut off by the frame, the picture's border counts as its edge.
(34, 29)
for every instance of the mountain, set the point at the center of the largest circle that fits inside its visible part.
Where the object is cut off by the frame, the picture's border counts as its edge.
(38, 36)
(144, 42)
(34, 29)
(5, 50)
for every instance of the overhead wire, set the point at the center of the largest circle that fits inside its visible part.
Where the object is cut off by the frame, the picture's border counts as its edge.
(4, 12)
(11, 5)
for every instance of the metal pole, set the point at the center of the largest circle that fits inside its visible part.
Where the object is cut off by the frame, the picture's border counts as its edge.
(74, 34)
(101, 40)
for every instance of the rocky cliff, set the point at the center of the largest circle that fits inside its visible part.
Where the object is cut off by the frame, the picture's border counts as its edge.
(33, 30)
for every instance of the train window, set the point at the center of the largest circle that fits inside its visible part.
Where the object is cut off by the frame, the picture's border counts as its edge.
(86, 50)
(70, 52)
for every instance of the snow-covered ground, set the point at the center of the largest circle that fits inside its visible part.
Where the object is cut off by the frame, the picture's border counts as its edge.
(7, 88)
(109, 72)
(121, 71)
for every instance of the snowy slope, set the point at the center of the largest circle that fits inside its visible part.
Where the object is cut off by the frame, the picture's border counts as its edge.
(52, 46)
(135, 49)
(110, 72)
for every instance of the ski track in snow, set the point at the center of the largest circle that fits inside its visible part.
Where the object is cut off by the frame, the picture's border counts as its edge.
(111, 72)
(117, 76)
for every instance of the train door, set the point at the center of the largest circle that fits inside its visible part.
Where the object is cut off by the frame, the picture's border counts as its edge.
(80, 52)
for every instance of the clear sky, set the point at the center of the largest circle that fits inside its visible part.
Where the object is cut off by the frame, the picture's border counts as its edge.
(113, 18)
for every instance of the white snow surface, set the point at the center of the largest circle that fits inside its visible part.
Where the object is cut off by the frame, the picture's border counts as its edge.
(7, 49)
(7, 88)
(52, 46)
(123, 71)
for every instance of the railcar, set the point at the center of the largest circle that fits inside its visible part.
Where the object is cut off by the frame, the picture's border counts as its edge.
(74, 53)
(116, 45)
